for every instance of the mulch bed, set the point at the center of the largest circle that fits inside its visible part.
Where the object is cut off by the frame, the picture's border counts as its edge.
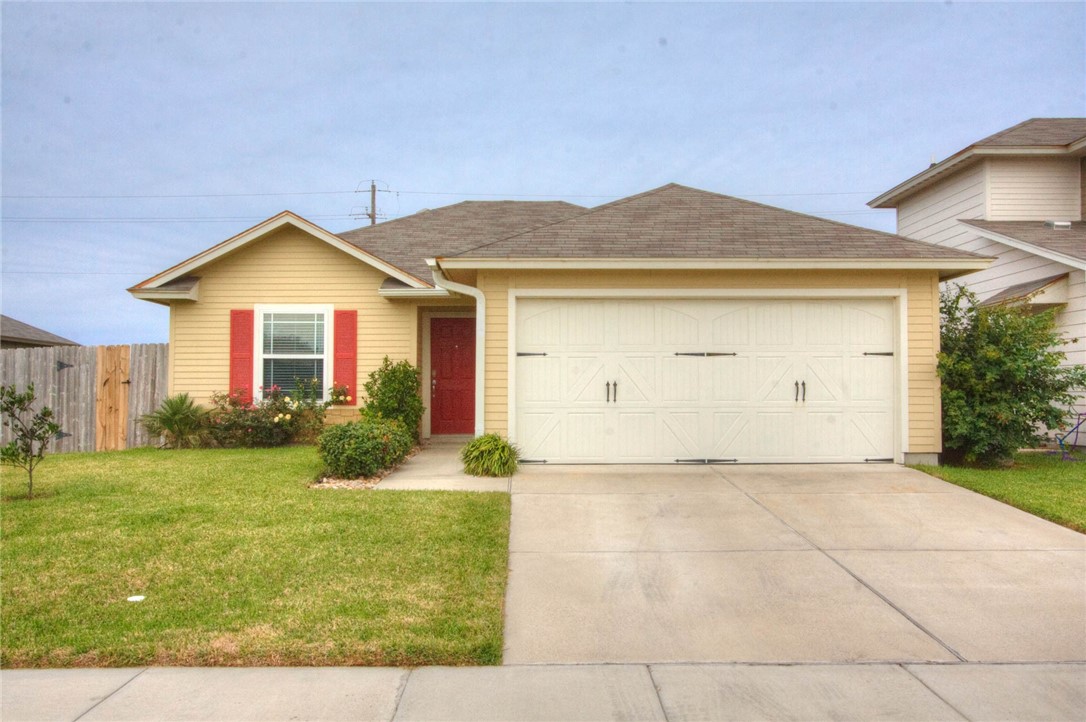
(328, 482)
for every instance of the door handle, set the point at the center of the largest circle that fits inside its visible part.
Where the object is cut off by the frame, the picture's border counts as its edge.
(608, 392)
(805, 391)
(797, 391)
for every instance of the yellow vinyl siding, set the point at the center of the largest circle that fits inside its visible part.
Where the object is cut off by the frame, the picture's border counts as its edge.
(922, 289)
(287, 267)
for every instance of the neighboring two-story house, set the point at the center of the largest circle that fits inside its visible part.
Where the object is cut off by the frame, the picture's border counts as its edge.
(1018, 195)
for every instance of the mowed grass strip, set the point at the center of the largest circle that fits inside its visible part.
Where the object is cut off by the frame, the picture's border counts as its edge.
(242, 564)
(1040, 483)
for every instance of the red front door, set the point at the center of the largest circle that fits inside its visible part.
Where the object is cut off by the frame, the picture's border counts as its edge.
(452, 375)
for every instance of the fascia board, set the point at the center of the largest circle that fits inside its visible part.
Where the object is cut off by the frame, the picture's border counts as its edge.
(262, 229)
(414, 293)
(1029, 247)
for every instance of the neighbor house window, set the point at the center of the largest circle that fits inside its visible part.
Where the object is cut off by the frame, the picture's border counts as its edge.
(292, 344)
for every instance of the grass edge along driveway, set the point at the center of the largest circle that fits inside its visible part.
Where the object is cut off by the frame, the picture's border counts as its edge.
(241, 564)
(1041, 483)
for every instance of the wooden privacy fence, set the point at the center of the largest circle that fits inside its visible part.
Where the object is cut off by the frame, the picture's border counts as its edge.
(97, 393)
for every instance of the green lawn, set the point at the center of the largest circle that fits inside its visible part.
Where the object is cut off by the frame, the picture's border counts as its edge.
(1039, 483)
(241, 564)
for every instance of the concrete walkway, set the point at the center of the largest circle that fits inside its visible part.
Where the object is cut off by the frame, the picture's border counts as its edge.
(608, 692)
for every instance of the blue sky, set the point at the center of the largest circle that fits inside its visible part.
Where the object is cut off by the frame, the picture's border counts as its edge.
(135, 135)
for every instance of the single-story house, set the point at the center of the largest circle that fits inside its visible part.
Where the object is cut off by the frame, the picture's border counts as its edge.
(1018, 196)
(676, 325)
(16, 334)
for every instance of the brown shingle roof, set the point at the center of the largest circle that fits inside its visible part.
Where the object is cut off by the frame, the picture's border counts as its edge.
(1070, 242)
(1049, 135)
(23, 333)
(1038, 131)
(407, 242)
(675, 221)
(1022, 291)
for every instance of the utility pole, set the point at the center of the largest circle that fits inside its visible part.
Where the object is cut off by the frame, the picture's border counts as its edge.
(373, 203)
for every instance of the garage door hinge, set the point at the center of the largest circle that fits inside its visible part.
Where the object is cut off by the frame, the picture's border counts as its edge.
(702, 353)
(878, 353)
(531, 461)
(879, 461)
(706, 461)
(528, 353)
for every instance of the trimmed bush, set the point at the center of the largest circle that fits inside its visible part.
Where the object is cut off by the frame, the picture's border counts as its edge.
(490, 455)
(392, 392)
(361, 449)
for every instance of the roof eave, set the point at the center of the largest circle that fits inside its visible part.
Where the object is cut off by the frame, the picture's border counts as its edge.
(892, 197)
(956, 266)
(165, 295)
(1027, 246)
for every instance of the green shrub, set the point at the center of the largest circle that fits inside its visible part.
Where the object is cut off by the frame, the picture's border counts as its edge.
(1001, 377)
(360, 449)
(490, 455)
(275, 420)
(392, 392)
(180, 421)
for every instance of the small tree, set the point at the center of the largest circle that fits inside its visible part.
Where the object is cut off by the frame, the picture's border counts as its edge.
(1001, 376)
(32, 431)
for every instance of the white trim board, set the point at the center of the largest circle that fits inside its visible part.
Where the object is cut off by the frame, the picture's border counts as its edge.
(898, 295)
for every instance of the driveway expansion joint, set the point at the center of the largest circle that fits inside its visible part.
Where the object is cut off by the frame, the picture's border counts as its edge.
(861, 581)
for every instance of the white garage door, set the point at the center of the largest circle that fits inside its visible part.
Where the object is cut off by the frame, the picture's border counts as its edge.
(664, 381)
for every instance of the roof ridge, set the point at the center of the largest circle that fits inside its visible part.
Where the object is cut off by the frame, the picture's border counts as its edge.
(363, 229)
(588, 211)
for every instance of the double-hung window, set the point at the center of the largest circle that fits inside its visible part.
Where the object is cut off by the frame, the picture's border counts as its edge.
(293, 343)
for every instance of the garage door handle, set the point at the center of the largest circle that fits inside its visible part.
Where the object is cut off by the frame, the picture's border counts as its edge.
(616, 391)
(608, 392)
(804, 384)
(797, 391)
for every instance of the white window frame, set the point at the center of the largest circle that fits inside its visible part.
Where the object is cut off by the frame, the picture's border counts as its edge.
(258, 339)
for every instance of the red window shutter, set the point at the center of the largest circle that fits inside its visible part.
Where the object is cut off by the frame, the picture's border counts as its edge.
(241, 353)
(345, 366)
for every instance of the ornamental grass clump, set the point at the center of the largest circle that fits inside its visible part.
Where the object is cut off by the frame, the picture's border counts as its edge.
(490, 455)
(362, 449)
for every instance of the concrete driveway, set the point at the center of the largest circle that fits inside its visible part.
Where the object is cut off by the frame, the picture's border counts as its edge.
(784, 564)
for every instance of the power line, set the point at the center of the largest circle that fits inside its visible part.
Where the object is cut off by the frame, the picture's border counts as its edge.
(179, 195)
(135, 196)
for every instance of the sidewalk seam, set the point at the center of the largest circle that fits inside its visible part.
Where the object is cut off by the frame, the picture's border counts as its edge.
(943, 699)
(95, 705)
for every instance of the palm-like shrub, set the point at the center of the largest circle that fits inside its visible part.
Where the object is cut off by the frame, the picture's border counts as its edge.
(490, 455)
(180, 421)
